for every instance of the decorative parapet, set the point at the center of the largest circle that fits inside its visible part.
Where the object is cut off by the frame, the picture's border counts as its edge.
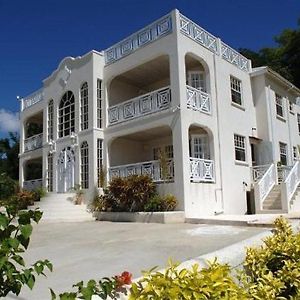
(33, 143)
(139, 39)
(198, 34)
(234, 57)
(212, 43)
(32, 99)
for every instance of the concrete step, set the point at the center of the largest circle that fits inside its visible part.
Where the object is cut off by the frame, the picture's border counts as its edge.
(61, 208)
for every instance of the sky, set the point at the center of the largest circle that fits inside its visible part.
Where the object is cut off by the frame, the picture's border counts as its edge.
(36, 35)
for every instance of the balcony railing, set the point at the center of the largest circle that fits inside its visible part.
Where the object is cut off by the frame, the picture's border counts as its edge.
(198, 100)
(143, 105)
(34, 142)
(257, 172)
(202, 170)
(30, 185)
(32, 99)
(150, 168)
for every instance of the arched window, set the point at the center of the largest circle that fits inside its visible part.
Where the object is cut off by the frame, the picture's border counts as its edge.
(50, 120)
(66, 119)
(84, 149)
(84, 106)
(50, 172)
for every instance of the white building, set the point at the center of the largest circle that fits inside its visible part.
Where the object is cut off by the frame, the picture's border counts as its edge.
(173, 86)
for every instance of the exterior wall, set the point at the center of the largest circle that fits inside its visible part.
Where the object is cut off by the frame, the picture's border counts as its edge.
(255, 118)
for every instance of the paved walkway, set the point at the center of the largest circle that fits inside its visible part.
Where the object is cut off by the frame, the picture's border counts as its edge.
(86, 250)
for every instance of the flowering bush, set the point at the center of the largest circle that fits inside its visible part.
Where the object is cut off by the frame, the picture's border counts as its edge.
(104, 288)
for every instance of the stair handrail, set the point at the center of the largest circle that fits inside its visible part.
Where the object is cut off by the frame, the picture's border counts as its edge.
(289, 186)
(264, 186)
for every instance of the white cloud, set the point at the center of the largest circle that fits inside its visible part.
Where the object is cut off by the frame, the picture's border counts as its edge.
(9, 121)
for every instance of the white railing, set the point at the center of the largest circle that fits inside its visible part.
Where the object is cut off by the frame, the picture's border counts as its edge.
(212, 43)
(30, 185)
(202, 170)
(32, 99)
(263, 187)
(289, 185)
(147, 35)
(198, 34)
(198, 100)
(150, 168)
(257, 172)
(283, 172)
(234, 57)
(143, 105)
(34, 142)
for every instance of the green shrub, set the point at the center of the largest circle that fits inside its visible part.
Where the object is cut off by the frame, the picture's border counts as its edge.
(214, 282)
(128, 194)
(39, 193)
(273, 269)
(7, 186)
(161, 203)
(21, 200)
(15, 232)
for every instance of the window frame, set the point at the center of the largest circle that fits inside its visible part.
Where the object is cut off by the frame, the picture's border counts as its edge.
(50, 120)
(66, 125)
(50, 172)
(99, 103)
(99, 159)
(202, 87)
(84, 165)
(298, 123)
(167, 148)
(279, 103)
(283, 146)
(238, 148)
(236, 88)
(84, 106)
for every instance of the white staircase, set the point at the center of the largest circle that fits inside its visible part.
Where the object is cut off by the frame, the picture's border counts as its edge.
(273, 200)
(61, 208)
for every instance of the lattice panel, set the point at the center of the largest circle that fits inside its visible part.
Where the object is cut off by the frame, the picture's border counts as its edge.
(137, 40)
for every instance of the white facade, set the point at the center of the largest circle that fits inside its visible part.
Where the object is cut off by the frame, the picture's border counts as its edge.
(171, 86)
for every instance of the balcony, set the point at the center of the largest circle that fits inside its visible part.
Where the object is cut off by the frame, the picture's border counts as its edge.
(202, 170)
(31, 185)
(32, 99)
(33, 142)
(198, 100)
(150, 168)
(146, 104)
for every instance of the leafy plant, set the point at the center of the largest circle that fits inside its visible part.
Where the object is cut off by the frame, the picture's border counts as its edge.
(78, 194)
(7, 186)
(15, 232)
(273, 270)
(102, 176)
(161, 203)
(214, 282)
(104, 288)
(20, 200)
(39, 193)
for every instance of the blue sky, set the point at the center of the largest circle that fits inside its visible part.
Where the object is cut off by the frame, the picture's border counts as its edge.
(36, 35)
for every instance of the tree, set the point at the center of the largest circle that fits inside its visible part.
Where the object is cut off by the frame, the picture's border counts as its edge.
(283, 58)
(9, 151)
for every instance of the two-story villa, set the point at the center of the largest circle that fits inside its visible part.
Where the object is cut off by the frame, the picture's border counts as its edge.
(176, 88)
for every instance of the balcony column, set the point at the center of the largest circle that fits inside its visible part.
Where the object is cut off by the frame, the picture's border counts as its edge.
(180, 123)
(21, 172)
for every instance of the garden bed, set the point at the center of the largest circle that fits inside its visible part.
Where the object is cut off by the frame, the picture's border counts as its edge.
(166, 217)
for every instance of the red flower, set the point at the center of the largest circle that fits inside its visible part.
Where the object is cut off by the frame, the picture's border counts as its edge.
(124, 278)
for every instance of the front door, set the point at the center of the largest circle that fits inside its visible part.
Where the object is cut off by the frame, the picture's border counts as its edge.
(65, 170)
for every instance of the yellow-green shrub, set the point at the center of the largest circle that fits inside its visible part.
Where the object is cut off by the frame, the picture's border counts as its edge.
(273, 269)
(214, 282)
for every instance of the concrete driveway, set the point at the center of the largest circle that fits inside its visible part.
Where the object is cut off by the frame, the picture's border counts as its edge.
(86, 250)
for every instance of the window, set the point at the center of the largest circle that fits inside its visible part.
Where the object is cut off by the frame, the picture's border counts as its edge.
(291, 107)
(50, 173)
(298, 122)
(84, 165)
(279, 105)
(66, 113)
(196, 79)
(240, 148)
(200, 146)
(283, 153)
(99, 159)
(168, 150)
(50, 120)
(236, 90)
(295, 153)
(99, 103)
(84, 106)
